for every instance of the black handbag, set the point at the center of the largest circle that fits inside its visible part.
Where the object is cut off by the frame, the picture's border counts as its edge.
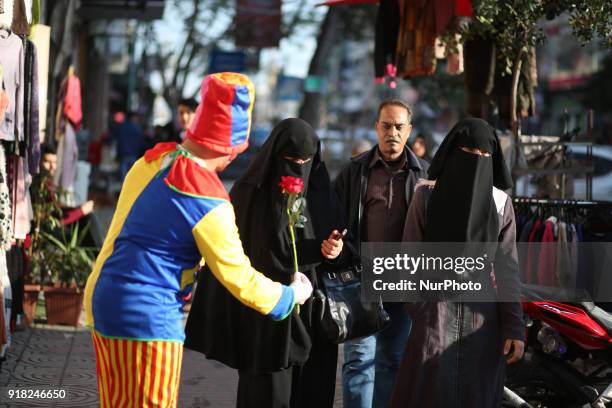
(342, 314)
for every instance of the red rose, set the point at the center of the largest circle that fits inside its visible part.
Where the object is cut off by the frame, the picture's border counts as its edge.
(291, 185)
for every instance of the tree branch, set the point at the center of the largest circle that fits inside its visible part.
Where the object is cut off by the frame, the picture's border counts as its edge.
(191, 31)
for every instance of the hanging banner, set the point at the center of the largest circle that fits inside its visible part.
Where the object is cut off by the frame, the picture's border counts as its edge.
(289, 88)
(227, 61)
(258, 23)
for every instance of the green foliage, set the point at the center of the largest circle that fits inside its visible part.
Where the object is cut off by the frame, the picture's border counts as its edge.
(56, 252)
(69, 261)
(46, 211)
(513, 24)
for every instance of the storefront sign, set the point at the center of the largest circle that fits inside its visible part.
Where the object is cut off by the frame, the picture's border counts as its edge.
(258, 23)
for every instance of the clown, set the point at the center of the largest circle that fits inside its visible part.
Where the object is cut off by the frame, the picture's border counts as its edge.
(173, 212)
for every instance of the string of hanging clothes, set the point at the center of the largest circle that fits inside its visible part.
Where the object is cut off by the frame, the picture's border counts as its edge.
(407, 37)
(550, 233)
(19, 151)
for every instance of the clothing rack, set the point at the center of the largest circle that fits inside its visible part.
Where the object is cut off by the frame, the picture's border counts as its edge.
(556, 202)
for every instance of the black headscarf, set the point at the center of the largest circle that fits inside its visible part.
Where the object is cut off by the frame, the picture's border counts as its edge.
(461, 207)
(218, 324)
(261, 207)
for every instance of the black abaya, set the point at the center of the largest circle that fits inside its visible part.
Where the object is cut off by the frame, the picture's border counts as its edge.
(265, 351)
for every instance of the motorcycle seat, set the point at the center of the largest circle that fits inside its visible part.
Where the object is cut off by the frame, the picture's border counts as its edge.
(602, 317)
(598, 314)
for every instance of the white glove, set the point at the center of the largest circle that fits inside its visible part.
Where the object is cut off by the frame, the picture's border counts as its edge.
(302, 288)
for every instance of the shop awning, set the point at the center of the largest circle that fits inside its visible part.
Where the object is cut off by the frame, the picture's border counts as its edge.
(146, 10)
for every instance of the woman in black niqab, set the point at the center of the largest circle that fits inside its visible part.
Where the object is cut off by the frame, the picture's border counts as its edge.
(455, 354)
(280, 364)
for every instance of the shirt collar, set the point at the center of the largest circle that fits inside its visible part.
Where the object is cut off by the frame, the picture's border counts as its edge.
(377, 157)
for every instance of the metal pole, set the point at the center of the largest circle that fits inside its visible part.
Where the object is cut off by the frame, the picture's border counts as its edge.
(133, 32)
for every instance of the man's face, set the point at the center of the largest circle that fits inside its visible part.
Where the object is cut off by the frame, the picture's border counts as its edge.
(49, 163)
(392, 128)
(185, 116)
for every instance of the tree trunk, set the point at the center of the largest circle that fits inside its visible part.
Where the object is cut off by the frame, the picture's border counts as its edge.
(515, 120)
(310, 110)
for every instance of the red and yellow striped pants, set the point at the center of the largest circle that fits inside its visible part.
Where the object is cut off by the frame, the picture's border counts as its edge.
(138, 374)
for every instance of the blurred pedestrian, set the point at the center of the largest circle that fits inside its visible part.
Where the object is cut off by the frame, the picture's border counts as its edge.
(129, 141)
(360, 146)
(375, 189)
(43, 192)
(185, 112)
(419, 146)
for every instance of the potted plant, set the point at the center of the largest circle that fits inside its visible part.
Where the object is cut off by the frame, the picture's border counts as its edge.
(45, 211)
(70, 264)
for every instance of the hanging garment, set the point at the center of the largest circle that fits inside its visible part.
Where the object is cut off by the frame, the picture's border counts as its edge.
(385, 40)
(32, 134)
(16, 272)
(479, 72)
(573, 251)
(3, 332)
(5, 283)
(67, 167)
(582, 276)
(21, 215)
(445, 14)
(4, 102)
(563, 268)
(72, 101)
(28, 4)
(20, 20)
(532, 254)
(523, 247)
(12, 61)
(81, 182)
(454, 61)
(35, 18)
(6, 217)
(546, 260)
(416, 44)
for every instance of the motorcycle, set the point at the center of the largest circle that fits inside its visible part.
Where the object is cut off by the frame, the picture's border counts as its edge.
(568, 356)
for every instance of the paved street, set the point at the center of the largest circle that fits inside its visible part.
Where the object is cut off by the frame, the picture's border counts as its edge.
(62, 358)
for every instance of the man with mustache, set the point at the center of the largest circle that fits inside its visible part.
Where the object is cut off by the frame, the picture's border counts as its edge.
(375, 189)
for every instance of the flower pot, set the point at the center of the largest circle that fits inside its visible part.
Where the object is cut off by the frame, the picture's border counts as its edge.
(30, 301)
(63, 305)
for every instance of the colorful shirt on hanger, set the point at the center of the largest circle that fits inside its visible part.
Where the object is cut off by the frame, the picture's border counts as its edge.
(12, 61)
(4, 102)
(72, 102)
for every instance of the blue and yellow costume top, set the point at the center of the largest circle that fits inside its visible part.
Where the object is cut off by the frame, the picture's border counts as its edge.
(171, 214)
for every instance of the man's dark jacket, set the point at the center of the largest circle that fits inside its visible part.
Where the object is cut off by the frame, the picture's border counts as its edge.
(352, 183)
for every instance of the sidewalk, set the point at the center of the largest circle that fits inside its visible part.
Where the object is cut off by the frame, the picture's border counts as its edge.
(62, 358)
